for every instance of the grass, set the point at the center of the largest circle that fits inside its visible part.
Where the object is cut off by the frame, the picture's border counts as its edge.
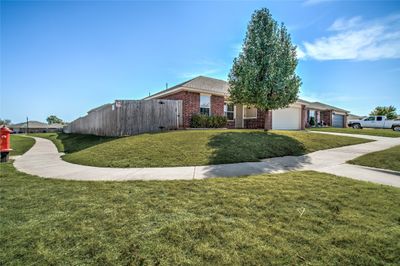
(193, 147)
(70, 143)
(20, 144)
(386, 159)
(365, 131)
(288, 219)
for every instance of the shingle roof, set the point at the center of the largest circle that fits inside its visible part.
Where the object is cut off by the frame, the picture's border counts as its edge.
(220, 87)
(200, 84)
(211, 85)
(323, 106)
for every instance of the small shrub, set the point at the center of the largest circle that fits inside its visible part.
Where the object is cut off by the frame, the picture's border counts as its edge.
(312, 121)
(205, 121)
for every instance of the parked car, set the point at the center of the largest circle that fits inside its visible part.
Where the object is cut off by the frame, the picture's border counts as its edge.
(375, 122)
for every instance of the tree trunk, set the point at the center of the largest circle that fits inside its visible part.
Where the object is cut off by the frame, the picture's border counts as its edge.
(266, 121)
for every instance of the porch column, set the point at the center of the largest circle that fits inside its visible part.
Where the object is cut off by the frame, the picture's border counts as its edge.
(238, 116)
(268, 116)
(303, 119)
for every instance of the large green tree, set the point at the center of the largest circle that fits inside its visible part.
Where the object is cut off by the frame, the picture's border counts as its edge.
(388, 111)
(263, 75)
(52, 119)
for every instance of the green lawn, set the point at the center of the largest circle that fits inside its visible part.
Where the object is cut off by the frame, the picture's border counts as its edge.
(193, 147)
(365, 131)
(288, 219)
(72, 142)
(386, 159)
(20, 144)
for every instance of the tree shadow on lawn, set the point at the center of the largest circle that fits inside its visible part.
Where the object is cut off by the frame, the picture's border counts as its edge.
(70, 143)
(251, 148)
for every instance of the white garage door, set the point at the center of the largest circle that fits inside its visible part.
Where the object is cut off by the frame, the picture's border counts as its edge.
(287, 118)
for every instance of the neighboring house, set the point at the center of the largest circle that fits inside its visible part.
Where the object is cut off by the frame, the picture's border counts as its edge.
(355, 117)
(36, 127)
(328, 115)
(210, 96)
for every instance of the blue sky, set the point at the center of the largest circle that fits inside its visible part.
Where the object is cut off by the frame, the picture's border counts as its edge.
(65, 58)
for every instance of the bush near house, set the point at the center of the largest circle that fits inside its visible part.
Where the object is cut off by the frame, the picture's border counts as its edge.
(312, 121)
(205, 121)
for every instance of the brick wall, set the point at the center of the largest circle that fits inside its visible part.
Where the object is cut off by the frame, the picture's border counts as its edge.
(259, 121)
(217, 105)
(230, 124)
(326, 116)
(190, 104)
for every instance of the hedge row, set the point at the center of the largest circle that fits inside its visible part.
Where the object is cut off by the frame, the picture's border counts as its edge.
(205, 121)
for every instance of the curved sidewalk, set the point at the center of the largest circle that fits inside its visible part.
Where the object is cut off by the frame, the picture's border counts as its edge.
(44, 160)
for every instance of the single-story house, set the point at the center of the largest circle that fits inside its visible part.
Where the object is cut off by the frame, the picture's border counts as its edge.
(36, 127)
(210, 96)
(355, 117)
(328, 115)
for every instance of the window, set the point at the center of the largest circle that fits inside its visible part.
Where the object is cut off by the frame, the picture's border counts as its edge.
(205, 104)
(379, 118)
(371, 118)
(229, 111)
(249, 112)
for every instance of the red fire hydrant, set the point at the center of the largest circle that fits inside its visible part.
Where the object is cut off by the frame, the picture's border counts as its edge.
(5, 143)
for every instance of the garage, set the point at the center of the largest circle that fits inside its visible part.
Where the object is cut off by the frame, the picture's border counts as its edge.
(338, 120)
(287, 118)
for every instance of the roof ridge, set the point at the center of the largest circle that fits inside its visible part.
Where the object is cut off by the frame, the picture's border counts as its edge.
(201, 76)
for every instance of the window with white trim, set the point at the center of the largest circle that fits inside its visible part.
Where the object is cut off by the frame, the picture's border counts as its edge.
(249, 112)
(205, 104)
(229, 110)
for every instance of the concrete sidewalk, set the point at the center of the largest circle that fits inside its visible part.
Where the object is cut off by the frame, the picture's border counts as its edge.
(44, 160)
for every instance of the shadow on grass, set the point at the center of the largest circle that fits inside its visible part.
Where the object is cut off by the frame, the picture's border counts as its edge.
(77, 142)
(251, 148)
(69, 143)
(232, 147)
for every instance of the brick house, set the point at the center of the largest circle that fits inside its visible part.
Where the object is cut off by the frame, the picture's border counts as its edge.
(328, 115)
(210, 96)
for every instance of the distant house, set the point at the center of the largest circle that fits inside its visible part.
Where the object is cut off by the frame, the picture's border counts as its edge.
(36, 127)
(325, 114)
(210, 96)
(355, 117)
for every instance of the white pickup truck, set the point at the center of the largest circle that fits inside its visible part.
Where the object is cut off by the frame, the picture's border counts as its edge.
(379, 121)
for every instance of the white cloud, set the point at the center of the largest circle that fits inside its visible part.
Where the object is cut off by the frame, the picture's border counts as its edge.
(345, 24)
(300, 53)
(357, 39)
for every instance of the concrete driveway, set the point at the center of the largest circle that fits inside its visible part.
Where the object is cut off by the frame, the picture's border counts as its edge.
(44, 160)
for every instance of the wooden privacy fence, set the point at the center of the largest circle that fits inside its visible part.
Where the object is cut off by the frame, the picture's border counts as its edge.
(129, 117)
